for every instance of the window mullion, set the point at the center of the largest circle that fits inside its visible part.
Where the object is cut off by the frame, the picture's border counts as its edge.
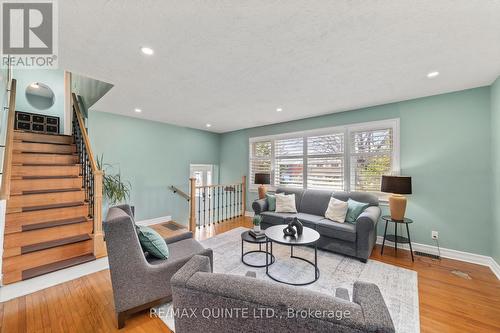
(304, 163)
(273, 164)
(347, 160)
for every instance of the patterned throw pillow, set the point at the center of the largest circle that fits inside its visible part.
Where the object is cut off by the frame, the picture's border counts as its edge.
(153, 243)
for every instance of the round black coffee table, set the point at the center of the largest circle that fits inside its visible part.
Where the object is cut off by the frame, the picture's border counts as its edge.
(247, 238)
(308, 237)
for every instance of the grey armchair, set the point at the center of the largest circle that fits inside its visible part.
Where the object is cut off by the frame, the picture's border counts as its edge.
(140, 281)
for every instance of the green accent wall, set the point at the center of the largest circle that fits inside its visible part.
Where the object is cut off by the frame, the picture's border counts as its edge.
(152, 156)
(445, 147)
(495, 156)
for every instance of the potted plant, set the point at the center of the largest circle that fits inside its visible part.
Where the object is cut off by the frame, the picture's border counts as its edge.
(257, 219)
(115, 190)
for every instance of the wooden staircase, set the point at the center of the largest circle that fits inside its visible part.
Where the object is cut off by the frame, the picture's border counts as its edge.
(53, 192)
(47, 225)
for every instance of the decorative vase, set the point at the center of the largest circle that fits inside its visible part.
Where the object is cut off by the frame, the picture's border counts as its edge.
(256, 228)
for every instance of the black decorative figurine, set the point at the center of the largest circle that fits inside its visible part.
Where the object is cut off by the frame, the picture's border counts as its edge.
(293, 228)
(289, 231)
(298, 225)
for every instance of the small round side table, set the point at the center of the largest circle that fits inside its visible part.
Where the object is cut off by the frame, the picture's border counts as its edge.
(247, 238)
(395, 238)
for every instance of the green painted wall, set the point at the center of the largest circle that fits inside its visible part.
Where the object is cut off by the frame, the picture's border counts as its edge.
(445, 147)
(54, 78)
(152, 156)
(495, 156)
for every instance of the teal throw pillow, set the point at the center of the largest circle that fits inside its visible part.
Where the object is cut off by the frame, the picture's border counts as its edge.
(153, 243)
(355, 209)
(271, 202)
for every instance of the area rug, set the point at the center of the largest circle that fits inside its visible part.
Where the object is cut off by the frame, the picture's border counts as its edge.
(398, 285)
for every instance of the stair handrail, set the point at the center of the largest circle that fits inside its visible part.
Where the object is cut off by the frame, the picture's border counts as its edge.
(9, 141)
(179, 192)
(91, 176)
(236, 207)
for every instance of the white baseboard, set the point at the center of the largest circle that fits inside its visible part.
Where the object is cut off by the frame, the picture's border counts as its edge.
(450, 254)
(32, 285)
(249, 214)
(155, 220)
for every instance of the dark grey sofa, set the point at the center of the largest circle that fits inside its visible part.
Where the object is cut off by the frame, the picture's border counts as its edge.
(352, 239)
(231, 303)
(139, 281)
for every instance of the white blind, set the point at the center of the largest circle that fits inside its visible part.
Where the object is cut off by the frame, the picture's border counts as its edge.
(343, 158)
(289, 162)
(371, 157)
(260, 160)
(325, 161)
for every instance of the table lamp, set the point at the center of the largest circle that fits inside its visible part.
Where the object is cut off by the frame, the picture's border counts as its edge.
(262, 179)
(397, 185)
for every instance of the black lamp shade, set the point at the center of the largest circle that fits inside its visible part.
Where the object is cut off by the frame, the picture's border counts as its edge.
(262, 178)
(396, 184)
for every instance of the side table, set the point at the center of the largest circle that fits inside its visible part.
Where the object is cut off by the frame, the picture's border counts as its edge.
(395, 238)
(247, 238)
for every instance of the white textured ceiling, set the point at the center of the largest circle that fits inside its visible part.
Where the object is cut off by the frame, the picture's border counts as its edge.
(232, 63)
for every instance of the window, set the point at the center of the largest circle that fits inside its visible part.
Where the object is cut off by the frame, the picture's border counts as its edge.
(260, 158)
(348, 158)
(371, 157)
(289, 162)
(325, 161)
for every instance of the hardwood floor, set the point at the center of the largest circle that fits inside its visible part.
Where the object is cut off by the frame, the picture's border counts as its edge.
(448, 303)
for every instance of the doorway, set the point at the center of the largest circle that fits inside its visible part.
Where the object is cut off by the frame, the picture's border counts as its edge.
(203, 173)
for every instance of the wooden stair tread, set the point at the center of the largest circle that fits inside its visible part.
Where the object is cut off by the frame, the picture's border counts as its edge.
(49, 177)
(53, 206)
(42, 152)
(58, 190)
(55, 223)
(46, 142)
(54, 243)
(36, 133)
(46, 164)
(32, 272)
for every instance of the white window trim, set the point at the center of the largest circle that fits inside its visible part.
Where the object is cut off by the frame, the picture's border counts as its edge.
(393, 123)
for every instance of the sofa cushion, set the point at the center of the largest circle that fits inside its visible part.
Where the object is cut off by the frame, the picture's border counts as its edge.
(178, 250)
(315, 202)
(309, 220)
(297, 191)
(275, 218)
(345, 231)
(153, 243)
(355, 209)
(271, 202)
(285, 203)
(337, 210)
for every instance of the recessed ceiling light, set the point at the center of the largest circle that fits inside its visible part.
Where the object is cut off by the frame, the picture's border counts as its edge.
(279, 109)
(137, 110)
(147, 50)
(431, 75)
(208, 125)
